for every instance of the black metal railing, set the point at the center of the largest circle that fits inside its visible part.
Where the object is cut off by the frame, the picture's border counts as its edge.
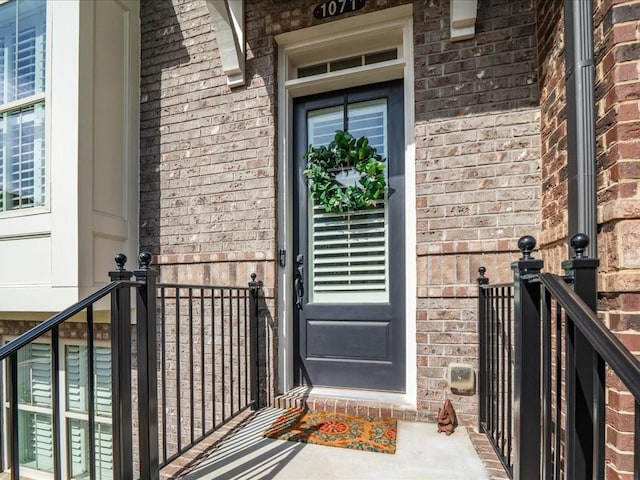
(553, 358)
(495, 303)
(138, 435)
(206, 347)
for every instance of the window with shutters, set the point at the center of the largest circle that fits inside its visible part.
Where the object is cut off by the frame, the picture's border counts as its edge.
(77, 409)
(35, 411)
(35, 425)
(22, 104)
(349, 250)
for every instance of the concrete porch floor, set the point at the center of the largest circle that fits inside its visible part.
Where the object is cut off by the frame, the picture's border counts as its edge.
(421, 453)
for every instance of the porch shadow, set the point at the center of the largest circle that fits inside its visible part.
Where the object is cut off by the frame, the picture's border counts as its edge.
(247, 454)
(421, 453)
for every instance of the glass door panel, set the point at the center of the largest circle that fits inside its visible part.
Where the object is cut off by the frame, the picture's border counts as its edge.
(349, 250)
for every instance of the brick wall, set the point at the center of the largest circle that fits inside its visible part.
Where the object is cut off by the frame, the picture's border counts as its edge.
(207, 153)
(207, 164)
(616, 42)
(208, 160)
(617, 51)
(553, 143)
(478, 175)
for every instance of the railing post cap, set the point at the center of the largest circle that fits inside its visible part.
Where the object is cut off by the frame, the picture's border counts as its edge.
(144, 272)
(144, 259)
(579, 242)
(526, 245)
(121, 260)
(526, 263)
(482, 280)
(120, 273)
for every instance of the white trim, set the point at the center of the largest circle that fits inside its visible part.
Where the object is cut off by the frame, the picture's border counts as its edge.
(295, 45)
(227, 19)
(411, 275)
(463, 15)
(23, 102)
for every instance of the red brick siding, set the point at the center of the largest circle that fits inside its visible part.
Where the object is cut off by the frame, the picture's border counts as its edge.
(477, 175)
(617, 49)
(553, 143)
(208, 160)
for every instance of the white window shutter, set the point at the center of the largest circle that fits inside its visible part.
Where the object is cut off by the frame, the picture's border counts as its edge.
(349, 251)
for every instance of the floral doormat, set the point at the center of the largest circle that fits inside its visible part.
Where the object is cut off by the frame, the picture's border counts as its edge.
(335, 429)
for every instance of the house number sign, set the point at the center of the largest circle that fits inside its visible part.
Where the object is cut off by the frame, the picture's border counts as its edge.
(337, 7)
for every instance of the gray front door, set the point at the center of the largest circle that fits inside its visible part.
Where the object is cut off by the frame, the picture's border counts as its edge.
(350, 327)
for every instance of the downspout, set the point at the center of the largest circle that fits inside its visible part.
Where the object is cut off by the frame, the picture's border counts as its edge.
(581, 158)
(584, 459)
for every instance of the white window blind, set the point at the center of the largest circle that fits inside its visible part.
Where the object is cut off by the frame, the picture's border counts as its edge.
(349, 250)
(77, 378)
(34, 375)
(104, 452)
(78, 444)
(34, 404)
(22, 86)
(35, 410)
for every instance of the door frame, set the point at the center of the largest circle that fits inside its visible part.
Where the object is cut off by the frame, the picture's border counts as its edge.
(312, 42)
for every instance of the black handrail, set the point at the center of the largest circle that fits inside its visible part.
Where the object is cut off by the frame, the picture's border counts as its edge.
(608, 346)
(242, 341)
(57, 319)
(197, 286)
(560, 351)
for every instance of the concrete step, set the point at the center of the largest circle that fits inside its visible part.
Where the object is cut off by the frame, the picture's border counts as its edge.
(421, 453)
(351, 402)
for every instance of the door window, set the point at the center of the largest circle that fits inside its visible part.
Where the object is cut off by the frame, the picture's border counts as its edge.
(349, 251)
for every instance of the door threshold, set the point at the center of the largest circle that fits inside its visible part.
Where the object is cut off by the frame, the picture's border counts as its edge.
(350, 401)
(397, 398)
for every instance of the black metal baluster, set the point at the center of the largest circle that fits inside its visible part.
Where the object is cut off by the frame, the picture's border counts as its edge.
(191, 369)
(91, 393)
(202, 385)
(55, 402)
(222, 354)
(510, 379)
(503, 369)
(231, 370)
(494, 368)
(636, 442)
(558, 396)
(246, 349)
(2, 422)
(163, 375)
(178, 390)
(546, 386)
(239, 366)
(255, 355)
(213, 354)
(13, 414)
(497, 370)
(482, 333)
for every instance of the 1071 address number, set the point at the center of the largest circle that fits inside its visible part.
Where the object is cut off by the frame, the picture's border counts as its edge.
(337, 7)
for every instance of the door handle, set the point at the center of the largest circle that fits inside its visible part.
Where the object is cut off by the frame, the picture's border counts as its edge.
(299, 281)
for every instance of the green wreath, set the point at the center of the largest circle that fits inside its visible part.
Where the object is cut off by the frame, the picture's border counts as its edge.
(344, 154)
